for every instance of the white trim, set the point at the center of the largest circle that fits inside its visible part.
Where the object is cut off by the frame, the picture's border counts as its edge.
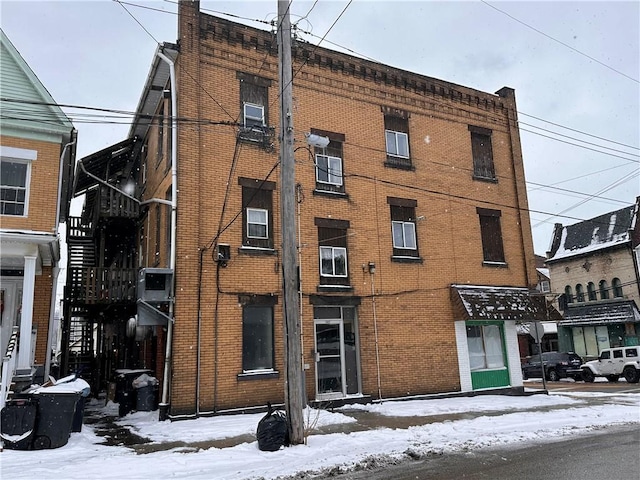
(395, 137)
(27, 183)
(333, 262)
(463, 356)
(330, 171)
(18, 153)
(265, 224)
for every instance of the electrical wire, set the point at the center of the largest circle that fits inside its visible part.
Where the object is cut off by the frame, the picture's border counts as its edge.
(560, 42)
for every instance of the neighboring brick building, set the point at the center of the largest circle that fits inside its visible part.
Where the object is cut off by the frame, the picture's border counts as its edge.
(593, 266)
(37, 151)
(416, 256)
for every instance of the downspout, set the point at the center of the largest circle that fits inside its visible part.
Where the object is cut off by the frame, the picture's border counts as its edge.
(56, 268)
(164, 404)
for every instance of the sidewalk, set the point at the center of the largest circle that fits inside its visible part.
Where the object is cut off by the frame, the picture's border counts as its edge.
(125, 431)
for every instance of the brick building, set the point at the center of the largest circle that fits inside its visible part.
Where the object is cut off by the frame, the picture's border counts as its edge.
(415, 252)
(37, 150)
(594, 269)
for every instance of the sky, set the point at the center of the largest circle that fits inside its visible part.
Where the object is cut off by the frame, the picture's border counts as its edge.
(574, 67)
(485, 421)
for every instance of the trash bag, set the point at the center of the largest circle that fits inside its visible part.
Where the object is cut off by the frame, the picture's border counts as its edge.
(144, 380)
(273, 430)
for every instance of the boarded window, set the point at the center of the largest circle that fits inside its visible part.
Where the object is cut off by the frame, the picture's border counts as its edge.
(482, 151)
(491, 232)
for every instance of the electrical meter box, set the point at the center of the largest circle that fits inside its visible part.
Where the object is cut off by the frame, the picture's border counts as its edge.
(154, 284)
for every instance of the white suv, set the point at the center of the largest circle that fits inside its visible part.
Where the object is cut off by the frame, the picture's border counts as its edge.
(612, 363)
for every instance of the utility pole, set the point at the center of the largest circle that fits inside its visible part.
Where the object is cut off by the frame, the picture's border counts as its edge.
(293, 387)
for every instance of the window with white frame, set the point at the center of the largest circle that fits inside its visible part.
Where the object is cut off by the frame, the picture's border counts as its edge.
(403, 227)
(329, 163)
(254, 109)
(404, 235)
(485, 347)
(15, 177)
(397, 144)
(329, 169)
(257, 223)
(257, 202)
(332, 249)
(333, 261)
(396, 133)
(253, 115)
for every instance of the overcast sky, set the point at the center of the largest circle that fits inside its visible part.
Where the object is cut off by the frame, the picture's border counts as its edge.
(574, 67)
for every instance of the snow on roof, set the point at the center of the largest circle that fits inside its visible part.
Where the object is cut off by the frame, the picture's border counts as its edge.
(605, 231)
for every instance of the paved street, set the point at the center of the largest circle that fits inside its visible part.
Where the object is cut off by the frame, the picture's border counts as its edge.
(611, 454)
(598, 386)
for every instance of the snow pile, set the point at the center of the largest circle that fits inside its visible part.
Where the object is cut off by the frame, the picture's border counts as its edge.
(509, 420)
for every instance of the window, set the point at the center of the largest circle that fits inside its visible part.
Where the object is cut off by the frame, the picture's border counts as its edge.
(257, 223)
(591, 291)
(396, 133)
(403, 227)
(616, 286)
(333, 261)
(332, 240)
(15, 177)
(545, 286)
(397, 144)
(485, 347)
(254, 105)
(606, 355)
(568, 293)
(257, 338)
(329, 169)
(579, 293)
(491, 233)
(617, 354)
(482, 152)
(604, 290)
(631, 352)
(14, 187)
(253, 115)
(257, 198)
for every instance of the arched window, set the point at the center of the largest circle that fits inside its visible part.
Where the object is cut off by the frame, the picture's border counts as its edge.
(591, 291)
(604, 290)
(616, 285)
(568, 293)
(579, 293)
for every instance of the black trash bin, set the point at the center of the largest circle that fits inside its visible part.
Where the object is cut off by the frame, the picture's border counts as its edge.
(125, 392)
(146, 388)
(56, 409)
(17, 423)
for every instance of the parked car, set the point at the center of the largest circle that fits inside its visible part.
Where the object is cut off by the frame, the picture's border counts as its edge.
(557, 365)
(613, 363)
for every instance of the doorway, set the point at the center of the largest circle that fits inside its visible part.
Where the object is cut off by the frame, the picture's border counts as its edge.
(337, 360)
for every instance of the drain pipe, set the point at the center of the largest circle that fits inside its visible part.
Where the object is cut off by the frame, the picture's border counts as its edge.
(56, 269)
(163, 407)
(372, 272)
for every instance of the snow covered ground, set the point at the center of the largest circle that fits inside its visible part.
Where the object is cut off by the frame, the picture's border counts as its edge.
(480, 421)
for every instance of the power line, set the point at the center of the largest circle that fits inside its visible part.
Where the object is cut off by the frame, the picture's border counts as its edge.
(560, 42)
(577, 139)
(580, 146)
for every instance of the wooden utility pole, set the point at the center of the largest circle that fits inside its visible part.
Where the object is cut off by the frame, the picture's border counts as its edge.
(293, 387)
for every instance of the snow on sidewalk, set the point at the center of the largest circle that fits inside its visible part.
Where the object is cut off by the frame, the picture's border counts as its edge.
(508, 420)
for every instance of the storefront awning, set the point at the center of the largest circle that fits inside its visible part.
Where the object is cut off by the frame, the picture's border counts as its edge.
(601, 313)
(499, 303)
